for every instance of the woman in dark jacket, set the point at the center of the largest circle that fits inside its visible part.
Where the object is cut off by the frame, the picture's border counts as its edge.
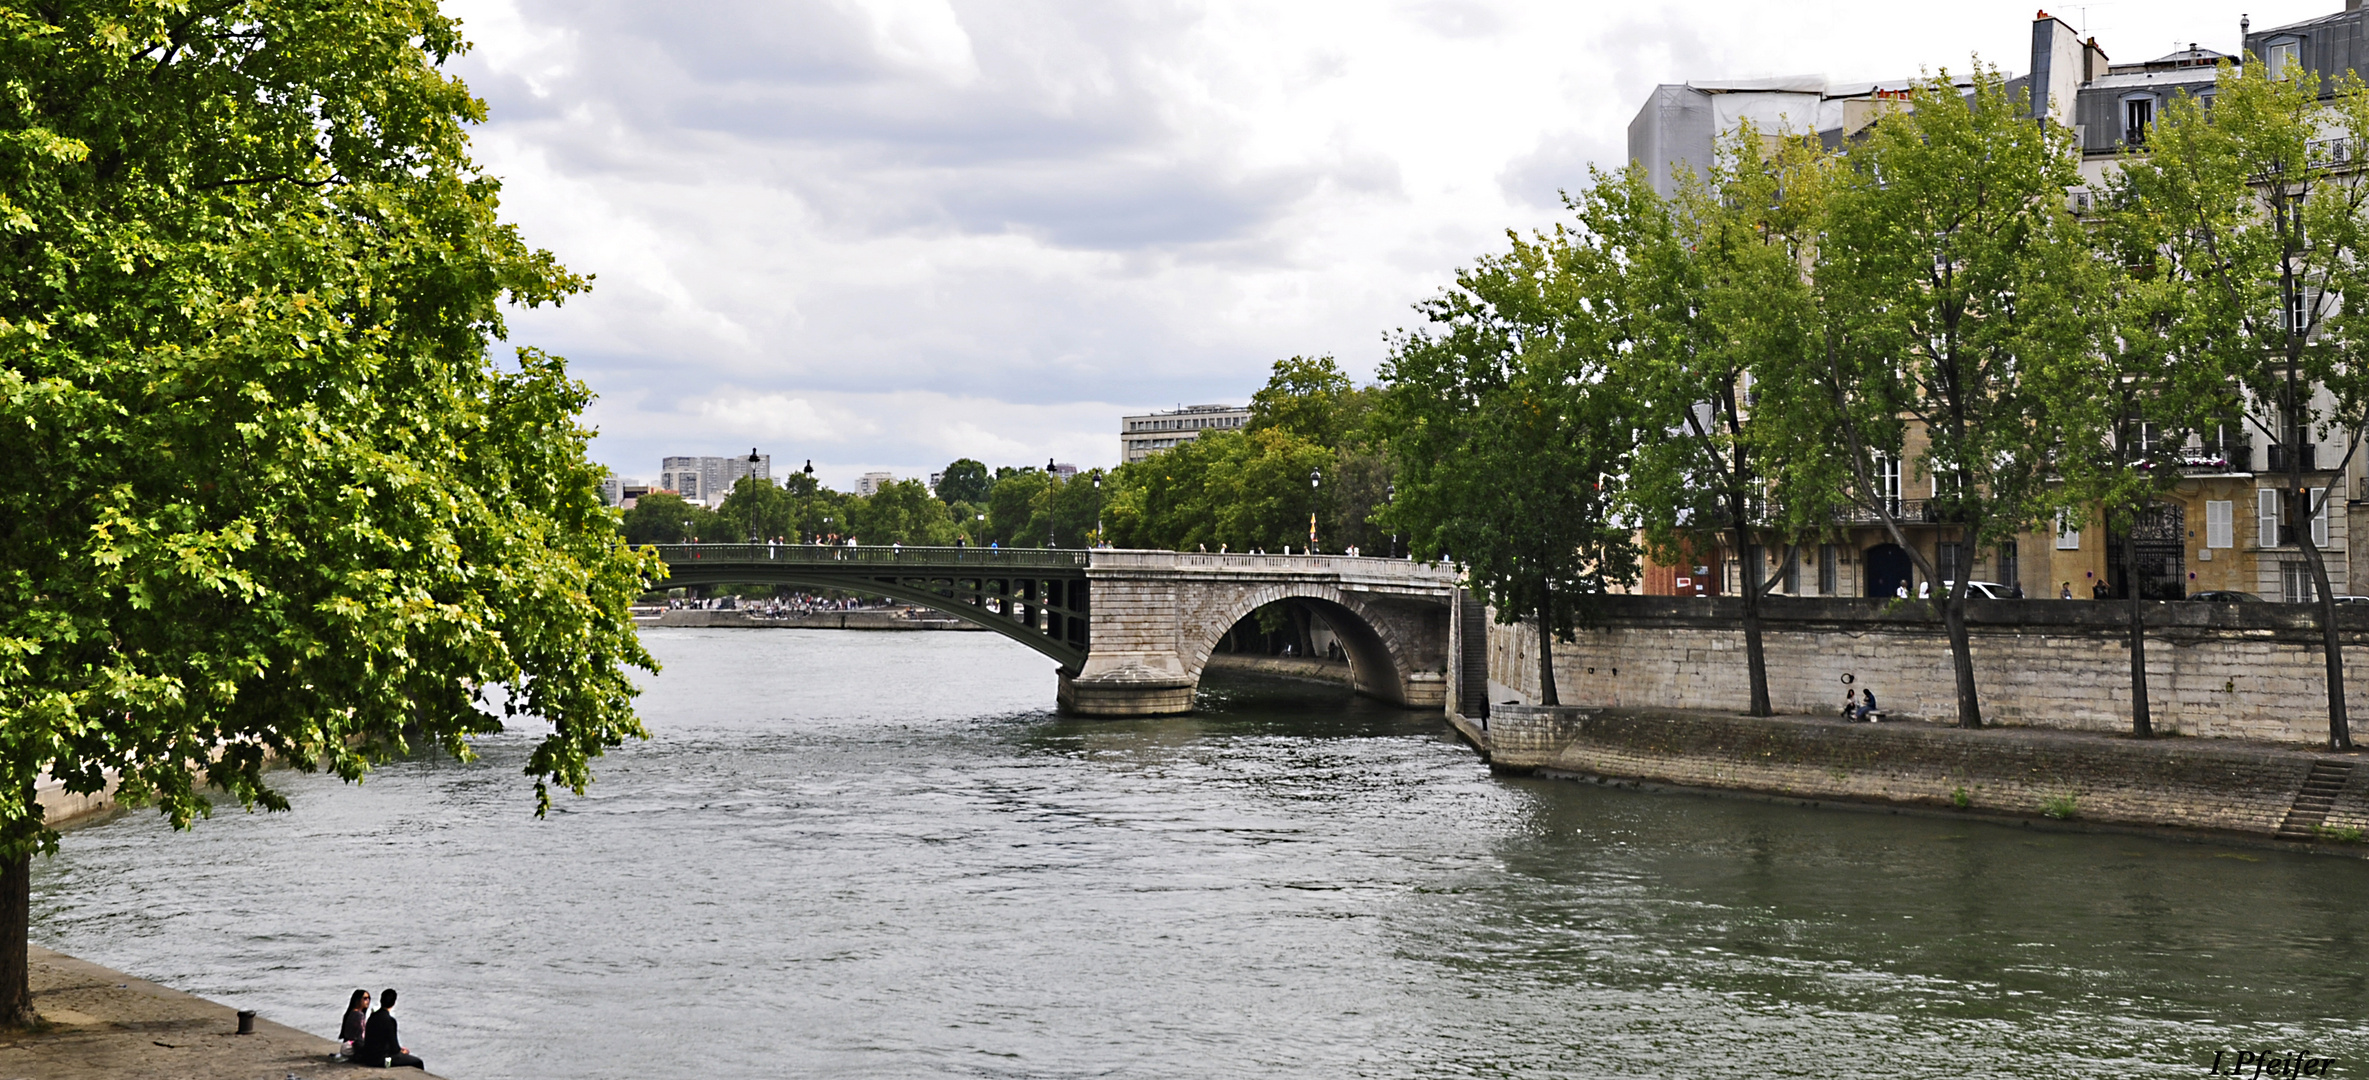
(357, 1012)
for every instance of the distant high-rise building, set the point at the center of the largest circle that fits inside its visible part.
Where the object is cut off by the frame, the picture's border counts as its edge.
(870, 483)
(1142, 436)
(709, 479)
(1063, 471)
(612, 488)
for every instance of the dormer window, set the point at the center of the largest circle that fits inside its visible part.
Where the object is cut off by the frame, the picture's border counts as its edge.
(2280, 59)
(2137, 113)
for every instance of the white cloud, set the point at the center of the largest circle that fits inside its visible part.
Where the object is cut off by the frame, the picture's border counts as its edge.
(889, 232)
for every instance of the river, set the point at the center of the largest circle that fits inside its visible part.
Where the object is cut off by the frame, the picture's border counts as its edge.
(883, 855)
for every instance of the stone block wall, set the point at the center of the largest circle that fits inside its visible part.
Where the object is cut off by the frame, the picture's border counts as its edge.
(2181, 783)
(2250, 671)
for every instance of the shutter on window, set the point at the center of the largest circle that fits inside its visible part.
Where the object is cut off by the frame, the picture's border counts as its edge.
(2219, 528)
(2267, 514)
(2319, 521)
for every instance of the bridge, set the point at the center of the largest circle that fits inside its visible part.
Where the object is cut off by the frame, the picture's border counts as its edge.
(1130, 630)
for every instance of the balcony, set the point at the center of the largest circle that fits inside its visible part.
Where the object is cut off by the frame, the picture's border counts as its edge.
(2232, 458)
(2285, 457)
(1909, 511)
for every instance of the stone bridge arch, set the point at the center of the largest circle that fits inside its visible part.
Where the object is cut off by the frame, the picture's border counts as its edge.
(1159, 615)
(1381, 662)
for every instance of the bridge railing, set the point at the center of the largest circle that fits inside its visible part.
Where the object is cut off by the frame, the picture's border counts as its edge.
(987, 559)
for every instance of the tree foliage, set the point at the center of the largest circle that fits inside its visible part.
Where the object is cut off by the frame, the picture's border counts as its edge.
(1508, 439)
(288, 508)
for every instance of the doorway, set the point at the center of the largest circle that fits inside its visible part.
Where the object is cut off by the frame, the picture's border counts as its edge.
(1888, 569)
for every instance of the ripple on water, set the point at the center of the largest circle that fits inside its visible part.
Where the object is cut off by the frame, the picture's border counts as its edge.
(879, 855)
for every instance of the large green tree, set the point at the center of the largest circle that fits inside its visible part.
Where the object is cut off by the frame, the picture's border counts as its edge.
(1949, 269)
(2260, 226)
(965, 481)
(1709, 294)
(1509, 440)
(288, 507)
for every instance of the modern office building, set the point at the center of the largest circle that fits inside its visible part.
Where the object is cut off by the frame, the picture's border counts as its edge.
(1142, 436)
(870, 483)
(708, 479)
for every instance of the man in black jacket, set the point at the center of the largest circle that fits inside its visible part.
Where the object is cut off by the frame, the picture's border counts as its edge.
(379, 1044)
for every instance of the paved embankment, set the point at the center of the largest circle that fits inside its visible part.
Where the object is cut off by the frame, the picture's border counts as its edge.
(2255, 790)
(106, 1025)
(859, 619)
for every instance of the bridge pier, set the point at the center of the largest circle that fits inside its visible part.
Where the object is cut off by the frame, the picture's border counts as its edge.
(1129, 692)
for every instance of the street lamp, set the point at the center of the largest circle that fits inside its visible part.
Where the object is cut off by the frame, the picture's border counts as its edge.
(1098, 508)
(1314, 477)
(1390, 499)
(753, 496)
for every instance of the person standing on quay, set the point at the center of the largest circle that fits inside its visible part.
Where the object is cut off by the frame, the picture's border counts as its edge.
(380, 1045)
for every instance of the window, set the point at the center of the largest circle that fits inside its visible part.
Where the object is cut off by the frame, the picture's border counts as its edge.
(1887, 481)
(2281, 58)
(1792, 584)
(2068, 532)
(2267, 516)
(2298, 313)
(2220, 526)
(2137, 114)
(1950, 559)
(1826, 576)
(2319, 520)
(2010, 573)
(2295, 582)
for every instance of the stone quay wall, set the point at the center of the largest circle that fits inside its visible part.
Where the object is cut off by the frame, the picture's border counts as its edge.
(2183, 783)
(2242, 671)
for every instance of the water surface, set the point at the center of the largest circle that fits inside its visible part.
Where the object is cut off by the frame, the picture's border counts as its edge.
(882, 855)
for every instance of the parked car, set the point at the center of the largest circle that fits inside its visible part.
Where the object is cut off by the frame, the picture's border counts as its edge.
(2351, 599)
(2226, 596)
(1982, 590)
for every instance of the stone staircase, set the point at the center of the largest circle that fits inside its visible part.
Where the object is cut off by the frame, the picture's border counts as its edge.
(1472, 698)
(2320, 787)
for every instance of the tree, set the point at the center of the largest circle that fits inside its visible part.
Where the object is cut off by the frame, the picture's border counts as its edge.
(1506, 436)
(1306, 397)
(2129, 409)
(756, 511)
(1012, 508)
(903, 512)
(965, 481)
(289, 506)
(1949, 269)
(663, 517)
(1710, 294)
(2262, 230)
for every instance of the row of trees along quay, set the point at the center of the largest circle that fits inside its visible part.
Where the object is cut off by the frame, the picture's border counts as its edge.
(1749, 357)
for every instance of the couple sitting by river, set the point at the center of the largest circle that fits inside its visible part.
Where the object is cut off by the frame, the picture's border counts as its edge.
(369, 1037)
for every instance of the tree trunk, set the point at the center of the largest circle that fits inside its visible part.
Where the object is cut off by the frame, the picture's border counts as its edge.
(1961, 652)
(2340, 735)
(2142, 723)
(16, 908)
(1755, 660)
(1546, 649)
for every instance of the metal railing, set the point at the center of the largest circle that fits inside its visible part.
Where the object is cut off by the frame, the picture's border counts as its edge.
(874, 555)
(1909, 511)
(2284, 456)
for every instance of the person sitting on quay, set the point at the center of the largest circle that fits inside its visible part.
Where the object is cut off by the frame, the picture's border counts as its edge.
(380, 1045)
(349, 1033)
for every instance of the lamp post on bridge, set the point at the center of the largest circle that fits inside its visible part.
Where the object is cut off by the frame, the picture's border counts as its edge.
(1314, 477)
(1052, 538)
(1390, 498)
(1097, 511)
(752, 477)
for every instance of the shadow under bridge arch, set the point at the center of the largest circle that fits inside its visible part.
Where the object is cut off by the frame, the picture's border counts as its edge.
(1382, 639)
(1045, 607)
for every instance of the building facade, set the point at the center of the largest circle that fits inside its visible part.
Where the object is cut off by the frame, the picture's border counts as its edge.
(2227, 526)
(708, 479)
(1142, 436)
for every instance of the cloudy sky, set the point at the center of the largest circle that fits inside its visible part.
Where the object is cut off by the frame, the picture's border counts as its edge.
(883, 234)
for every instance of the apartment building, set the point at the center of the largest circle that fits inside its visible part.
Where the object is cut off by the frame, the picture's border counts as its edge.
(2227, 526)
(708, 479)
(1142, 436)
